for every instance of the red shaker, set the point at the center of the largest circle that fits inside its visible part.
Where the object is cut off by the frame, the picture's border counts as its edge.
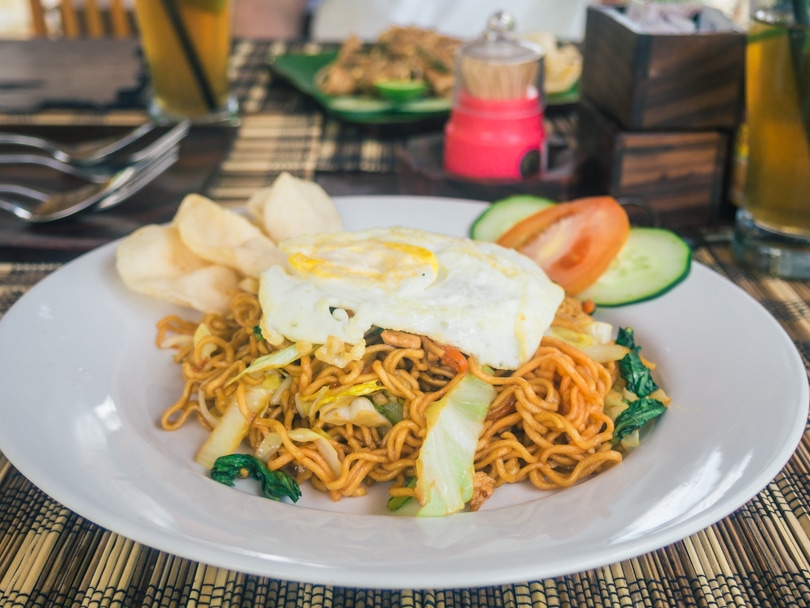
(495, 130)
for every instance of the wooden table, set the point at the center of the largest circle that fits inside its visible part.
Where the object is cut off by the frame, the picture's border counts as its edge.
(757, 556)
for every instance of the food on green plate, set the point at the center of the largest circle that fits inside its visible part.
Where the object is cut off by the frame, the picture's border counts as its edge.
(402, 54)
(563, 62)
(400, 90)
(426, 105)
(572, 242)
(360, 105)
(407, 62)
(442, 367)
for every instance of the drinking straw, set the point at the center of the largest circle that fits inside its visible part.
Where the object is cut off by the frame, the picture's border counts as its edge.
(800, 12)
(190, 53)
(800, 61)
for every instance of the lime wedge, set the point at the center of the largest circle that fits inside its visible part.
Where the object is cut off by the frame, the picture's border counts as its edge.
(401, 90)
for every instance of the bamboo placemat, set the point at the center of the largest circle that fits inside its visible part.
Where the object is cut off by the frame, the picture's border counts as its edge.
(757, 556)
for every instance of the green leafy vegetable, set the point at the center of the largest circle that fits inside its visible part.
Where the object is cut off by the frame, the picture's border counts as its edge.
(637, 375)
(257, 332)
(640, 412)
(626, 338)
(392, 410)
(275, 485)
(639, 381)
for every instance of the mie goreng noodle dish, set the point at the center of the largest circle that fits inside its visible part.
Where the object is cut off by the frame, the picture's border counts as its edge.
(360, 360)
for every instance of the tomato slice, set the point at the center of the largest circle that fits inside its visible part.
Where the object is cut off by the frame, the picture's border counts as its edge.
(572, 242)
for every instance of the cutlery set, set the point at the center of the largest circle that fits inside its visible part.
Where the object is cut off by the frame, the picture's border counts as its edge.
(112, 173)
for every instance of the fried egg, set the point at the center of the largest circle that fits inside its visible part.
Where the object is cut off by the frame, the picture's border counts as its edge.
(486, 300)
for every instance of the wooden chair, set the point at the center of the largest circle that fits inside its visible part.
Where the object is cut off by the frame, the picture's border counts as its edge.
(84, 19)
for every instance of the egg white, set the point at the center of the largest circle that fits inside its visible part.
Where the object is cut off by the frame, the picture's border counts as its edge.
(488, 301)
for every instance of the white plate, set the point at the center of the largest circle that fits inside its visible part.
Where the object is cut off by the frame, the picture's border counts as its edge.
(83, 387)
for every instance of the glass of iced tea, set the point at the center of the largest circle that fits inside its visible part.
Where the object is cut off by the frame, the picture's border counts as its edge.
(772, 228)
(187, 44)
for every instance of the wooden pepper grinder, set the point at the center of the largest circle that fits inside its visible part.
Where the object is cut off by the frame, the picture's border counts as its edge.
(496, 128)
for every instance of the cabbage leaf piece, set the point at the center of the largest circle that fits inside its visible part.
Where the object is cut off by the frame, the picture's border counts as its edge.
(444, 468)
(233, 426)
(275, 485)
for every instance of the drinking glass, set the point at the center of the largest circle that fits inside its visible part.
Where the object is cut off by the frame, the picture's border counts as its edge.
(772, 226)
(187, 44)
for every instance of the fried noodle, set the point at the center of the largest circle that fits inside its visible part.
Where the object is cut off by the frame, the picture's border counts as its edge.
(547, 423)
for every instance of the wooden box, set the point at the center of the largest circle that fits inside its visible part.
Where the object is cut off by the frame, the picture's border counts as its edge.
(678, 177)
(662, 81)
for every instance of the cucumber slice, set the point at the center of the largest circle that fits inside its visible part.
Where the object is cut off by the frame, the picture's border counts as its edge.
(359, 105)
(652, 261)
(501, 215)
(426, 105)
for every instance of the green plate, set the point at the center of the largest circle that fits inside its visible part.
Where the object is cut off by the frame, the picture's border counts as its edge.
(300, 69)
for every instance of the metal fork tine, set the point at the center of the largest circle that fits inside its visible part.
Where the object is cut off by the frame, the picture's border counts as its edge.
(119, 187)
(90, 174)
(100, 154)
(47, 211)
(140, 181)
(164, 142)
(100, 173)
(84, 153)
(55, 206)
(24, 191)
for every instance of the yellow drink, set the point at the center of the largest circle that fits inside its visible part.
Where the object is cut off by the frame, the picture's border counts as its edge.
(777, 189)
(189, 75)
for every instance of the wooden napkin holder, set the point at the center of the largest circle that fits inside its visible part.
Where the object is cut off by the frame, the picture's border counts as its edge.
(679, 175)
(657, 115)
(663, 81)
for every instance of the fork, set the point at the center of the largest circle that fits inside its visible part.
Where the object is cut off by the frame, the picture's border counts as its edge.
(46, 206)
(85, 153)
(99, 173)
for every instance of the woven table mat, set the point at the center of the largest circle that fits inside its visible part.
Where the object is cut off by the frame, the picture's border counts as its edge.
(285, 130)
(757, 556)
(302, 143)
